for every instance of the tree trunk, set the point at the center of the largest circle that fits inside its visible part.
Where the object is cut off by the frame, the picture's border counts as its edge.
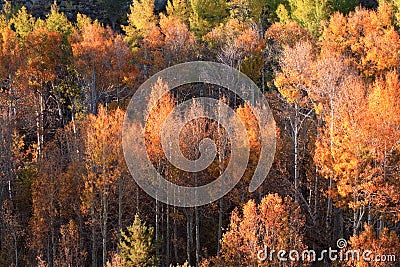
(188, 238)
(197, 229)
(94, 252)
(175, 238)
(105, 216)
(219, 225)
(167, 238)
(296, 152)
(329, 207)
(119, 207)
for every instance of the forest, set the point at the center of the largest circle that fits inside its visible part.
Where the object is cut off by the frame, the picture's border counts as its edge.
(329, 71)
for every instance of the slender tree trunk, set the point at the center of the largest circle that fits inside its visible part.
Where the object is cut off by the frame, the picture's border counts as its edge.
(119, 207)
(105, 217)
(329, 207)
(167, 238)
(80, 258)
(157, 227)
(175, 238)
(296, 154)
(220, 210)
(197, 229)
(15, 248)
(94, 98)
(53, 239)
(94, 250)
(39, 124)
(188, 238)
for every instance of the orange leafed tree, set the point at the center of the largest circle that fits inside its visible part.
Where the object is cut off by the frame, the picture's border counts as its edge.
(179, 41)
(104, 167)
(102, 59)
(368, 37)
(275, 223)
(384, 248)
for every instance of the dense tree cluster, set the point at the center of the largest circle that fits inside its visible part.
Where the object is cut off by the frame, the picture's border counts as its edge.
(329, 69)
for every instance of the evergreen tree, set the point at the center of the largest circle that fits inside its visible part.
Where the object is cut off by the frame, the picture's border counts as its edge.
(137, 246)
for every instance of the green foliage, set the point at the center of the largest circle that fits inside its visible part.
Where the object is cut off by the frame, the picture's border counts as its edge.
(282, 14)
(395, 4)
(345, 6)
(310, 13)
(5, 14)
(206, 14)
(137, 246)
(140, 21)
(178, 9)
(262, 12)
(23, 23)
(82, 20)
(58, 22)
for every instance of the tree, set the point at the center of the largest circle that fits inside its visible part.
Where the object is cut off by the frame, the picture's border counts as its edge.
(58, 22)
(104, 166)
(179, 42)
(293, 82)
(275, 223)
(44, 58)
(68, 252)
(23, 23)
(140, 21)
(234, 41)
(367, 37)
(309, 13)
(101, 58)
(137, 247)
(263, 13)
(382, 244)
(288, 34)
(179, 10)
(205, 15)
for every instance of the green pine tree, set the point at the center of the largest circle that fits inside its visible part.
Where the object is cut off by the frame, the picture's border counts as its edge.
(137, 247)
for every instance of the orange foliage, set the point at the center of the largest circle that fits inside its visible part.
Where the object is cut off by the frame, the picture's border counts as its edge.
(275, 223)
(366, 36)
(287, 34)
(382, 246)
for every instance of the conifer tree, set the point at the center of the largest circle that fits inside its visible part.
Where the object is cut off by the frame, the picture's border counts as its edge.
(137, 245)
